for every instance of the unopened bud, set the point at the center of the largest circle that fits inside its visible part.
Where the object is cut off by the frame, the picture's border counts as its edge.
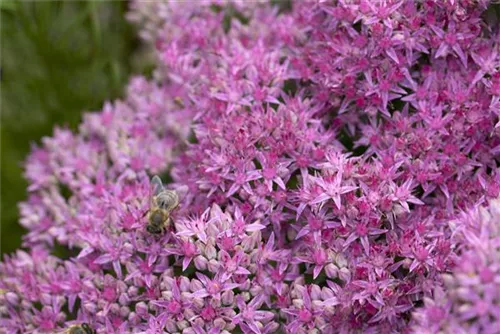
(183, 324)
(219, 322)
(315, 292)
(12, 298)
(331, 270)
(200, 262)
(171, 326)
(341, 261)
(228, 297)
(210, 252)
(213, 266)
(141, 309)
(345, 275)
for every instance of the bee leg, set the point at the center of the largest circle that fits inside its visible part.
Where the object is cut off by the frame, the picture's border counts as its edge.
(164, 228)
(145, 213)
(171, 224)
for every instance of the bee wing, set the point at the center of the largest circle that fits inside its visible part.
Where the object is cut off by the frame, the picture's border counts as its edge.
(157, 185)
(182, 192)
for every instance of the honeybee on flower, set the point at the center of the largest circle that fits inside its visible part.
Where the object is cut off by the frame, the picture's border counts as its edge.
(82, 328)
(162, 203)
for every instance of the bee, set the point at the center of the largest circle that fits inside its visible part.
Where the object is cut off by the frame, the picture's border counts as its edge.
(82, 328)
(162, 203)
(178, 102)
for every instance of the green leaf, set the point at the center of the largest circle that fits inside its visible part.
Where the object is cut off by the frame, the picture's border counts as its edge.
(59, 59)
(7, 5)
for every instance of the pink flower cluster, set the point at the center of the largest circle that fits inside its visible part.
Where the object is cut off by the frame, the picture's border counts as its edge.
(469, 302)
(332, 152)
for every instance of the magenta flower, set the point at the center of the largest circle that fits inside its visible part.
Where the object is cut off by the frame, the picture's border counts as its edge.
(332, 189)
(213, 287)
(186, 249)
(173, 307)
(306, 316)
(249, 316)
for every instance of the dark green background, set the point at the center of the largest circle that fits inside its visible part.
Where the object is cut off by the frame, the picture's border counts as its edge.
(58, 59)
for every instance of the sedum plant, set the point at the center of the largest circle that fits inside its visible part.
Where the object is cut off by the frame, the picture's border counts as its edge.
(335, 155)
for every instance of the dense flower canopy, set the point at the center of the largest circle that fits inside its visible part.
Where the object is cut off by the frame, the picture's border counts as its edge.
(340, 158)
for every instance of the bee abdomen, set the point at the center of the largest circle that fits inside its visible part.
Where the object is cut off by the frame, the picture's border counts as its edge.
(167, 200)
(80, 329)
(77, 330)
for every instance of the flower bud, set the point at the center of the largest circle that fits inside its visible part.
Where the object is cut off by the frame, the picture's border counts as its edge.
(133, 291)
(345, 275)
(123, 299)
(198, 302)
(195, 285)
(189, 313)
(184, 284)
(255, 290)
(89, 307)
(133, 318)
(12, 298)
(326, 293)
(200, 262)
(61, 317)
(245, 285)
(124, 311)
(199, 322)
(216, 302)
(189, 330)
(167, 295)
(102, 303)
(210, 252)
(141, 309)
(246, 296)
(272, 327)
(219, 323)
(121, 286)
(341, 261)
(298, 303)
(171, 326)
(183, 324)
(291, 234)
(315, 292)
(213, 266)
(114, 308)
(331, 270)
(46, 299)
(317, 303)
(228, 297)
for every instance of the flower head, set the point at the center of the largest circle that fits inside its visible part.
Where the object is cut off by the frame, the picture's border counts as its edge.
(328, 150)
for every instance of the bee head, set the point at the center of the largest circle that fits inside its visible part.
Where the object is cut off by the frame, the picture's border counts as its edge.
(154, 229)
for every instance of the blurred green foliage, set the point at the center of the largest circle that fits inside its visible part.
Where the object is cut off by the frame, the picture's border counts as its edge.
(58, 59)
